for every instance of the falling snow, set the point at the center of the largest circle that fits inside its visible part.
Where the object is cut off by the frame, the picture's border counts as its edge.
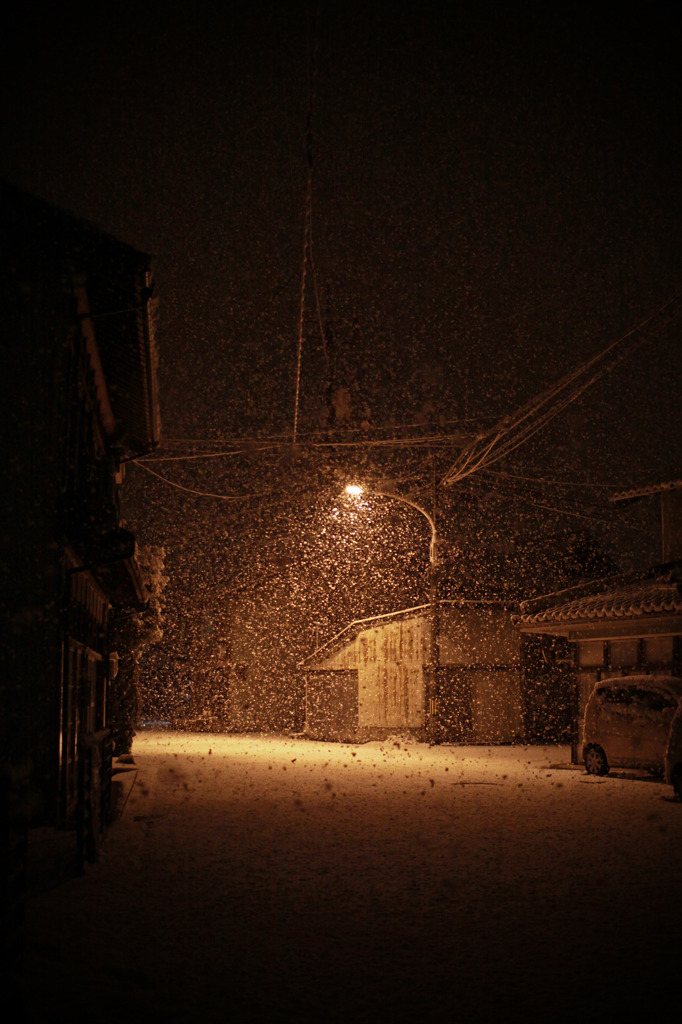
(494, 200)
(379, 232)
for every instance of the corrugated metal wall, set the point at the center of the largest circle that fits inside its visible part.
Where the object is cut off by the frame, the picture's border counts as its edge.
(332, 705)
(481, 677)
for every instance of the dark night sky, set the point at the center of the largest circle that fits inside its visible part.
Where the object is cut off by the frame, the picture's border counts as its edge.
(497, 195)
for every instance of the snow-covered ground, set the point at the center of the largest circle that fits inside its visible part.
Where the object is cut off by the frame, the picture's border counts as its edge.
(274, 879)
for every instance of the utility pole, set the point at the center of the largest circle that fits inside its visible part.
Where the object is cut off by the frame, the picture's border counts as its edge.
(432, 724)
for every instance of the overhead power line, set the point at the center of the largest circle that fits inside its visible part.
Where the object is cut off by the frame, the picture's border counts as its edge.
(209, 455)
(422, 441)
(201, 494)
(549, 483)
(517, 428)
(530, 499)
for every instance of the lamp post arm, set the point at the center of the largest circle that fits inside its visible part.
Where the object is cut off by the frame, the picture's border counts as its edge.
(433, 550)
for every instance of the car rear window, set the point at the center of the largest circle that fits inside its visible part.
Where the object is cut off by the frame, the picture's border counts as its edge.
(617, 694)
(654, 700)
(651, 700)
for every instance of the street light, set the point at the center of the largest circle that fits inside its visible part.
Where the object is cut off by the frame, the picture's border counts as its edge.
(354, 490)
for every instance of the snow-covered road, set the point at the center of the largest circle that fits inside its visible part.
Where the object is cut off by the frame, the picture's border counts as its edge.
(274, 879)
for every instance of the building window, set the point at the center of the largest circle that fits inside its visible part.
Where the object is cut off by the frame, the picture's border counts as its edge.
(658, 651)
(623, 653)
(591, 654)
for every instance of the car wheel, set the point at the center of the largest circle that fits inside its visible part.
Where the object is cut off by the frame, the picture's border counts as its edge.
(595, 760)
(677, 781)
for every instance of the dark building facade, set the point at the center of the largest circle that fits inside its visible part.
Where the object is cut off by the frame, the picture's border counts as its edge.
(79, 400)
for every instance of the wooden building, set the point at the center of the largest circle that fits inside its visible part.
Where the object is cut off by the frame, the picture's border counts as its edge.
(79, 399)
(370, 680)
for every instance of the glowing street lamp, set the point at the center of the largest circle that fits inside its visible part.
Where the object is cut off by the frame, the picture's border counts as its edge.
(355, 490)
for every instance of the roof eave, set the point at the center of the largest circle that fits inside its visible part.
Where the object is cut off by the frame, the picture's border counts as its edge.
(634, 627)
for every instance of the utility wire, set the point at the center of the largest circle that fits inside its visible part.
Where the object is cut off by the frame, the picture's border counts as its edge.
(584, 515)
(283, 437)
(550, 483)
(201, 494)
(527, 499)
(425, 442)
(581, 510)
(208, 455)
(515, 429)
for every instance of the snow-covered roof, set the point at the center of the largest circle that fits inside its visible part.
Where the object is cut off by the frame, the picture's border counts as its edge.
(613, 599)
(350, 632)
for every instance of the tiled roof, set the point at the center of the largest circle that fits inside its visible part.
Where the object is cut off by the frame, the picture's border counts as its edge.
(658, 595)
(647, 490)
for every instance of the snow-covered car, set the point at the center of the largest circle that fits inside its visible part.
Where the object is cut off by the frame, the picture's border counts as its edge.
(628, 723)
(673, 755)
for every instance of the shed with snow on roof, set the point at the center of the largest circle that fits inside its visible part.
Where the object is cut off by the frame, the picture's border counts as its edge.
(370, 680)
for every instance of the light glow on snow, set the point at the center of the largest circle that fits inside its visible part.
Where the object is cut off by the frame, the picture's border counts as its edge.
(287, 879)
